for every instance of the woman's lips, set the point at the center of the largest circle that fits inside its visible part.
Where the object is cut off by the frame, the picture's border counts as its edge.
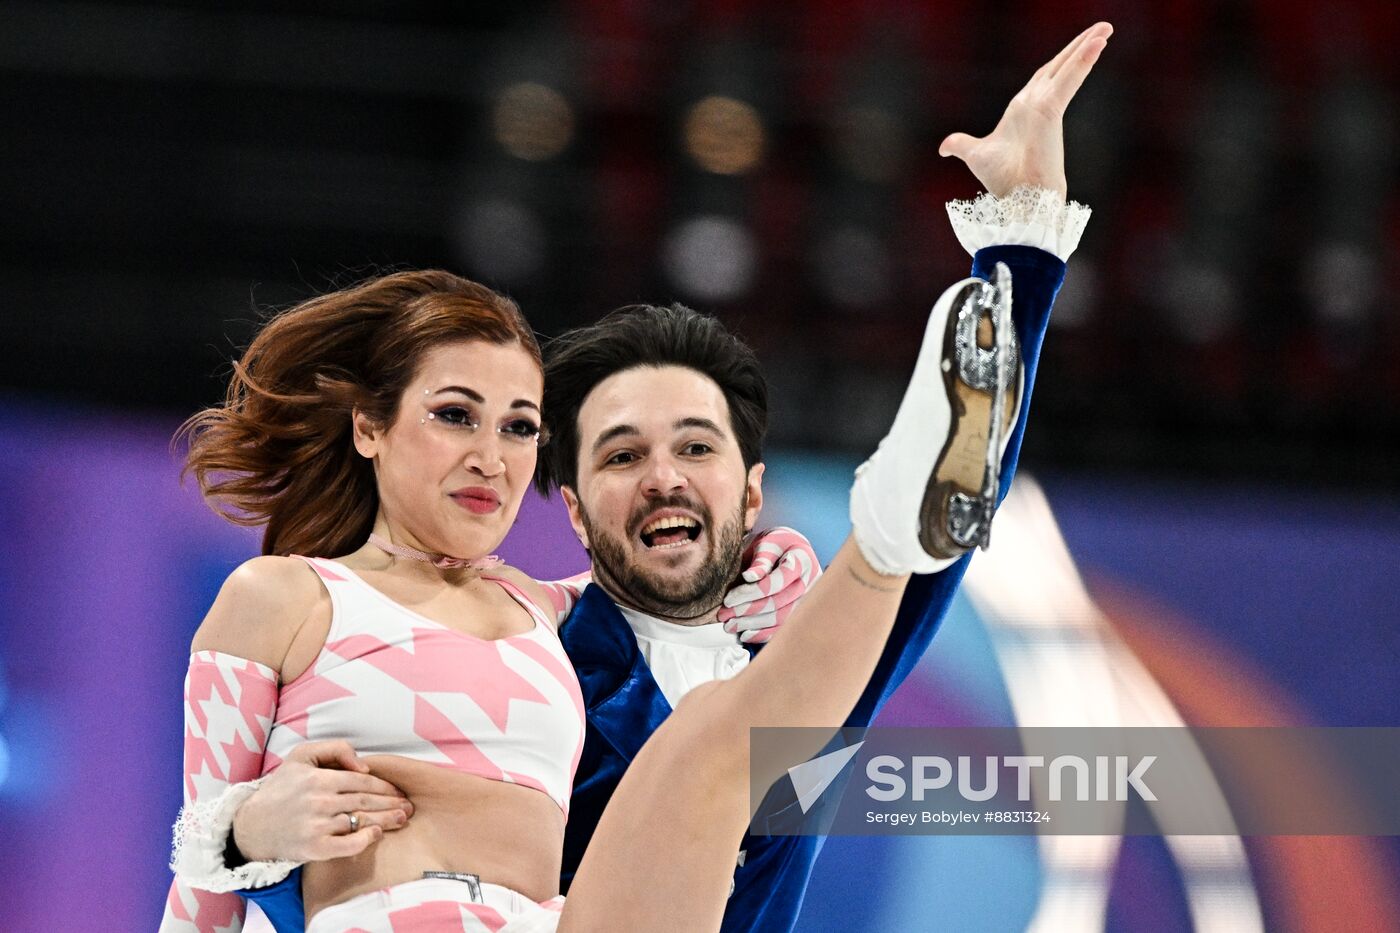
(478, 500)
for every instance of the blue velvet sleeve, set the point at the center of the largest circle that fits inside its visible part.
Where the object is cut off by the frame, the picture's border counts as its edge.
(282, 903)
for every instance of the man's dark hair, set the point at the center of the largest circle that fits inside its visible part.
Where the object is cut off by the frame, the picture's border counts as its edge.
(646, 335)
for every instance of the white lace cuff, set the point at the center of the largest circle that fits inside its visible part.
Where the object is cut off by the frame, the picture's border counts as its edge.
(201, 835)
(1027, 216)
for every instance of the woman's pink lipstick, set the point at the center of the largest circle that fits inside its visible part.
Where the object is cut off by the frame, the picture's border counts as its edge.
(477, 499)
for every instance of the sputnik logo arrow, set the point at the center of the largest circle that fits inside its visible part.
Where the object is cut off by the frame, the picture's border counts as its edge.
(812, 777)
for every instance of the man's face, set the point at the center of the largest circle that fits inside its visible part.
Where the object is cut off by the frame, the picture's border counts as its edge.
(663, 500)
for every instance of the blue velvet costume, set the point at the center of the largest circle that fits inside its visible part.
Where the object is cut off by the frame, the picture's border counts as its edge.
(625, 705)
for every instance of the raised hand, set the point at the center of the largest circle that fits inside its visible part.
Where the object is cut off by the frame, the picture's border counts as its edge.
(781, 566)
(1028, 145)
(301, 813)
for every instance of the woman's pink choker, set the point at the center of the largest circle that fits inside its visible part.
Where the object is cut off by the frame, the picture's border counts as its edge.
(441, 561)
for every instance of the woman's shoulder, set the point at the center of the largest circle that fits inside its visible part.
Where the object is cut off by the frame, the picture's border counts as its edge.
(268, 570)
(528, 585)
(259, 609)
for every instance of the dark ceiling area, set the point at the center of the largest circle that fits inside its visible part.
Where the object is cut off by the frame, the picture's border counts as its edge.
(175, 170)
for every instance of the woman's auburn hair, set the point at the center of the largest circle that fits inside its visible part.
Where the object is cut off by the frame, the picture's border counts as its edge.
(280, 451)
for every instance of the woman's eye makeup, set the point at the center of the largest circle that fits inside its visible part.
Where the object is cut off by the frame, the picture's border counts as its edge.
(517, 429)
(456, 416)
(521, 429)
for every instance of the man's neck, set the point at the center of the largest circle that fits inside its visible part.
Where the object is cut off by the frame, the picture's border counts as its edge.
(622, 600)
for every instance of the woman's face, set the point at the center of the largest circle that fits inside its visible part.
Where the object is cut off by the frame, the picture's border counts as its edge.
(455, 462)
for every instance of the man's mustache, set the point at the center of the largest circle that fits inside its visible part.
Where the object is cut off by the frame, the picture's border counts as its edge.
(634, 522)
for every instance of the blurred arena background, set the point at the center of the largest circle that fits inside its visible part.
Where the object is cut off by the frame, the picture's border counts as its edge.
(1215, 426)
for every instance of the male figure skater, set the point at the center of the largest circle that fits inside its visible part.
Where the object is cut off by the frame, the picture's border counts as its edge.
(664, 531)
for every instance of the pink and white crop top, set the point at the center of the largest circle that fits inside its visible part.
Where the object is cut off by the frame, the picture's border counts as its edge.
(393, 682)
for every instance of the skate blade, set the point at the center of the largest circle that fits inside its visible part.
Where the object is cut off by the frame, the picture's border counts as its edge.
(958, 478)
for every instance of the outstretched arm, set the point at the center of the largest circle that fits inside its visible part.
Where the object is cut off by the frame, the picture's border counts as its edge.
(1025, 151)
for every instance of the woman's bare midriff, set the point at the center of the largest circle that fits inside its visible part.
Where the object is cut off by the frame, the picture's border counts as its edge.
(504, 833)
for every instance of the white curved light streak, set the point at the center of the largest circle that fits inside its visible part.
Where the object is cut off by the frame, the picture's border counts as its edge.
(1065, 666)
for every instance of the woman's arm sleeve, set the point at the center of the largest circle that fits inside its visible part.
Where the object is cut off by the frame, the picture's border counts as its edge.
(230, 703)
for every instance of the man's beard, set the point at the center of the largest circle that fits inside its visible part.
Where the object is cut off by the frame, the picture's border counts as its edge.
(686, 598)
